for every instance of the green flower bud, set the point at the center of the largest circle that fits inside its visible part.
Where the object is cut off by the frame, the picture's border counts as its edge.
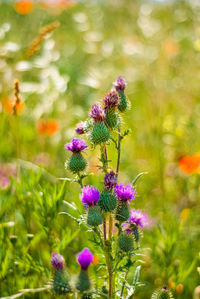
(122, 212)
(112, 119)
(107, 201)
(76, 163)
(83, 281)
(126, 242)
(123, 105)
(99, 133)
(163, 293)
(60, 283)
(94, 217)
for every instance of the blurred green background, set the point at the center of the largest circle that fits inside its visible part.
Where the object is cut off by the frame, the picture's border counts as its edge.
(156, 47)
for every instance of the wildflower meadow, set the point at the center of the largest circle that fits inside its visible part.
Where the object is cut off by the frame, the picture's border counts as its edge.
(100, 149)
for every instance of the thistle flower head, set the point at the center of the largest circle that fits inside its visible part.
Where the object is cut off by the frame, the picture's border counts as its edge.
(111, 100)
(110, 180)
(85, 258)
(120, 84)
(76, 145)
(80, 128)
(97, 113)
(90, 196)
(125, 193)
(138, 218)
(57, 261)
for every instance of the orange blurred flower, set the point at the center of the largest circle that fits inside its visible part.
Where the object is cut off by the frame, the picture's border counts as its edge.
(9, 106)
(171, 284)
(47, 127)
(179, 288)
(24, 6)
(95, 260)
(190, 164)
(170, 47)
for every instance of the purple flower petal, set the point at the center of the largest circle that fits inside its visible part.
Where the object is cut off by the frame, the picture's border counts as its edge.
(137, 217)
(110, 180)
(111, 100)
(90, 195)
(97, 113)
(85, 258)
(125, 193)
(76, 145)
(120, 84)
(57, 261)
(80, 128)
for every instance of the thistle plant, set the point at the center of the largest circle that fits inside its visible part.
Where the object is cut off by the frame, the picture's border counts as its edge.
(108, 212)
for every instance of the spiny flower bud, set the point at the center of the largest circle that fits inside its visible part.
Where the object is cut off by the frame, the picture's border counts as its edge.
(77, 162)
(126, 242)
(122, 212)
(120, 86)
(112, 119)
(85, 258)
(108, 201)
(99, 132)
(60, 284)
(90, 197)
(163, 293)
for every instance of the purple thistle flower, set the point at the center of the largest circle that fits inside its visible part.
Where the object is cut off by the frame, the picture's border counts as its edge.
(90, 195)
(125, 193)
(97, 113)
(76, 145)
(120, 84)
(85, 258)
(138, 218)
(110, 180)
(80, 128)
(111, 100)
(57, 261)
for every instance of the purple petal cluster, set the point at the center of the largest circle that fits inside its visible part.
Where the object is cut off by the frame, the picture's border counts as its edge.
(90, 196)
(85, 258)
(120, 84)
(97, 113)
(138, 218)
(80, 128)
(110, 180)
(111, 100)
(57, 261)
(125, 193)
(76, 145)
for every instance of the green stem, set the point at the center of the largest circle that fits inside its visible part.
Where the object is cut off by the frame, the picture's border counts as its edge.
(119, 150)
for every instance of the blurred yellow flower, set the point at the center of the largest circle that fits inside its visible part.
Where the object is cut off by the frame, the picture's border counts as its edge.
(185, 214)
(197, 44)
